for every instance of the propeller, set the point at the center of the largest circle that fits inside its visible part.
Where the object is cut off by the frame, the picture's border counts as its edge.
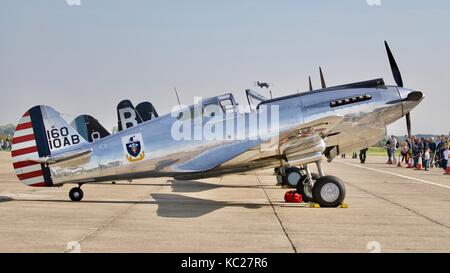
(408, 123)
(394, 66)
(398, 79)
(322, 79)
(310, 84)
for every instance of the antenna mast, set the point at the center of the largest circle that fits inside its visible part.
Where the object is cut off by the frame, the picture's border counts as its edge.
(178, 98)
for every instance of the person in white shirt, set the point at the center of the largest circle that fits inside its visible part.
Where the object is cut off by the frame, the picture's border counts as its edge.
(446, 157)
(393, 149)
(426, 159)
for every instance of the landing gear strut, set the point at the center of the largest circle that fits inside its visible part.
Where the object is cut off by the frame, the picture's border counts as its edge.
(305, 187)
(327, 191)
(76, 194)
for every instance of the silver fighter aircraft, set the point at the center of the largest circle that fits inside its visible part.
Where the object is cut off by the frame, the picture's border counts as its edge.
(48, 152)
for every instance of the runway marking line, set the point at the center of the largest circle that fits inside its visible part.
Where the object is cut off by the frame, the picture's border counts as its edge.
(294, 248)
(395, 174)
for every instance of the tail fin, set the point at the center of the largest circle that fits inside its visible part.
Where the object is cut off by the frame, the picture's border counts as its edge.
(127, 116)
(147, 111)
(89, 128)
(41, 133)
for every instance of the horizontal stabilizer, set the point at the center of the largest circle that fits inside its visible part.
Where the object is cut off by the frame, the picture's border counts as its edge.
(63, 157)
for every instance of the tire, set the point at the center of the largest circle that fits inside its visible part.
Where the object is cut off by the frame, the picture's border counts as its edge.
(76, 194)
(292, 177)
(329, 191)
(305, 190)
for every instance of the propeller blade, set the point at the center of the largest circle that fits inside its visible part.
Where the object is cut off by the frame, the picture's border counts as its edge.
(322, 79)
(310, 84)
(394, 66)
(408, 123)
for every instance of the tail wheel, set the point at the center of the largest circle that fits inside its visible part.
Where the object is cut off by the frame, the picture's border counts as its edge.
(306, 189)
(329, 191)
(76, 194)
(292, 177)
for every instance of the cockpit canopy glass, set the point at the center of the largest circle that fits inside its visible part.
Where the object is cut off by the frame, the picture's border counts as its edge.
(209, 107)
(254, 98)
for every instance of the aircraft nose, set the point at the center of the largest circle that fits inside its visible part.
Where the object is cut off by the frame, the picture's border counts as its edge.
(414, 96)
(411, 100)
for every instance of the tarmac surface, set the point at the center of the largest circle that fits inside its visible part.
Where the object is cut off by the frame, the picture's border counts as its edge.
(391, 209)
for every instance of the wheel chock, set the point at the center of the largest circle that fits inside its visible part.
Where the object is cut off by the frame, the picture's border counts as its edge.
(315, 205)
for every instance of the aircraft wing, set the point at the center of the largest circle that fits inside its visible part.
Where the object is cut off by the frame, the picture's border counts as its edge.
(294, 140)
(299, 140)
(212, 158)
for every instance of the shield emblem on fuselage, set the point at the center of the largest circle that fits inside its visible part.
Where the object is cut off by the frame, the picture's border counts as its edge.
(134, 147)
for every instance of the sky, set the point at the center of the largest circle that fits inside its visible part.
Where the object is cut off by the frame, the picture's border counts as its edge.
(84, 59)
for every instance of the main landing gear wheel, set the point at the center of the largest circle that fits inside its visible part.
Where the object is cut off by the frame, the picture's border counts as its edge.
(76, 194)
(329, 191)
(292, 177)
(305, 188)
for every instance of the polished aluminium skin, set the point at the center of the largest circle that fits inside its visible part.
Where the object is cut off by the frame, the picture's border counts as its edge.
(325, 122)
(363, 124)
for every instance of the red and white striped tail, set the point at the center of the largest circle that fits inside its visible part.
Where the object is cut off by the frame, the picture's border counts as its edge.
(24, 151)
(41, 133)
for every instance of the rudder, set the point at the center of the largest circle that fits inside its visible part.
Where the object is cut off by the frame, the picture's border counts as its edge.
(40, 133)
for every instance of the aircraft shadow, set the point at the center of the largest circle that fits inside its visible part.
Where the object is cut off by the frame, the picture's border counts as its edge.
(186, 186)
(169, 205)
(198, 186)
(180, 206)
(5, 198)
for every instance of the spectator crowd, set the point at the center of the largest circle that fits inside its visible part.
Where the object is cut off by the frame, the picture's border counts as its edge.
(5, 144)
(414, 151)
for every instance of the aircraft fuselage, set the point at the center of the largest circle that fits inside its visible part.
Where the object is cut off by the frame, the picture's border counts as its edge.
(366, 112)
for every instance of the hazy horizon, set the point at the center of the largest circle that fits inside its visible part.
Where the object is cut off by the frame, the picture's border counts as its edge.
(85, 59)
